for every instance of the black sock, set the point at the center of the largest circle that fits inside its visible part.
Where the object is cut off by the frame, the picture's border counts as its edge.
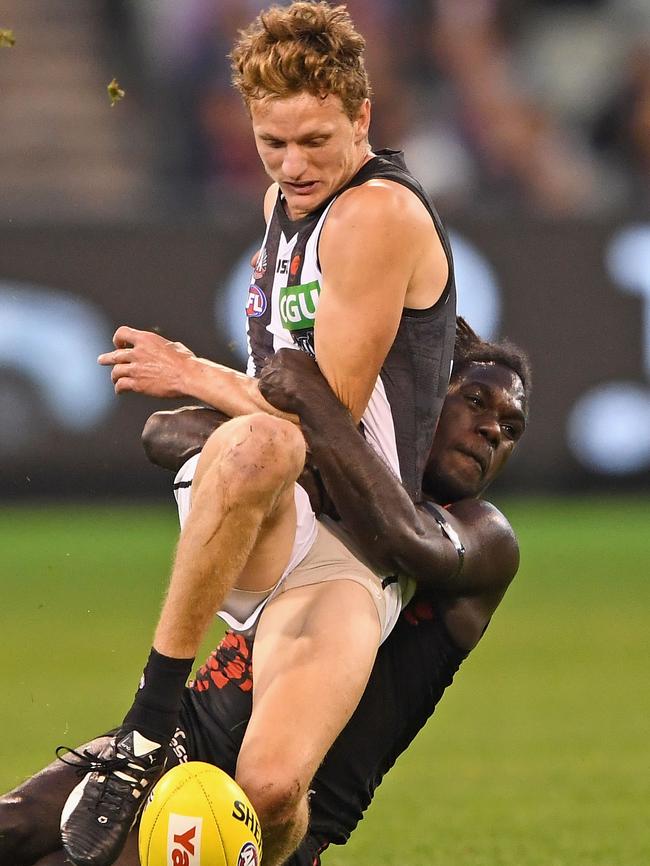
(158, 700)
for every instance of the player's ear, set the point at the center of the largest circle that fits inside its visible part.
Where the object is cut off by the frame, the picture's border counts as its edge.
(362, 121)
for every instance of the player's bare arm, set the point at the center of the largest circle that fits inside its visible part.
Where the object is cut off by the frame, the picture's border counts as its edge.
(394, 533)
(146, 363)
(379, 253)
(169, 438)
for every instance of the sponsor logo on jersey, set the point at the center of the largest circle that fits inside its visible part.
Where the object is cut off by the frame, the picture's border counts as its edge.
(256, 305)
(183, 840)
(298, 305)
(242, 812)
(260, 267)
(248, 855)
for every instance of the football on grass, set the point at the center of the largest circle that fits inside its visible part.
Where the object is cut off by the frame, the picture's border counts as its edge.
(198, 816)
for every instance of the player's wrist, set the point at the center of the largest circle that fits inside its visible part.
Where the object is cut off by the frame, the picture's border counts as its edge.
(191, 376)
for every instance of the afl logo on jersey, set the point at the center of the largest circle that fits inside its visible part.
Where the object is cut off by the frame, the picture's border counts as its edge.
(256, 305)
(260, 264)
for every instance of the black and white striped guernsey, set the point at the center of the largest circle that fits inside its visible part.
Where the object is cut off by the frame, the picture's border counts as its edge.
(403, 411)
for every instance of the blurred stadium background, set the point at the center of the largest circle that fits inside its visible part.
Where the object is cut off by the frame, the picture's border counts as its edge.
(529, 122)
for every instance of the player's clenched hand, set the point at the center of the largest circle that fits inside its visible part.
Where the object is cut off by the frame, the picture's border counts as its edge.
(291, 381)
(146, 363)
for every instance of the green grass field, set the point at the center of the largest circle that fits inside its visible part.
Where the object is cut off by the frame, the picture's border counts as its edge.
(538, 756)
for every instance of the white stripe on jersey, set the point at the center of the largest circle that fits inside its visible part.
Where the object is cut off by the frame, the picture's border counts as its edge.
(310, 273)
(379, 427)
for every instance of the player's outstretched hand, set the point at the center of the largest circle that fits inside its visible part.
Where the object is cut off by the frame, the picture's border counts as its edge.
(146, 363)
(291, 381)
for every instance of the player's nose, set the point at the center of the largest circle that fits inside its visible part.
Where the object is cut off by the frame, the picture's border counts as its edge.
(490, 429)
(294, 163)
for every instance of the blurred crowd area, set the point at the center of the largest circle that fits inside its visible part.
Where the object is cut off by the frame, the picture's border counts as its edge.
(531, 106)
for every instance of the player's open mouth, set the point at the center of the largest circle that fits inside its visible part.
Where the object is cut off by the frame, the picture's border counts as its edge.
(303, 187)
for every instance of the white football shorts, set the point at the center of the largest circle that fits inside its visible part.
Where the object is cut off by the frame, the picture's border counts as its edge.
(321, 551)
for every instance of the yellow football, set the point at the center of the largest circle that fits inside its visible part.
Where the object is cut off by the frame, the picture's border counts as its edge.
(198, 816)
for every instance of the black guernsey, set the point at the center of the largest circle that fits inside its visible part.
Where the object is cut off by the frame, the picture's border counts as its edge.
(413, 381)
(413, 668)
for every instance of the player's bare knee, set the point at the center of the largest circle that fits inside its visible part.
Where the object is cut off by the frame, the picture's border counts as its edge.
(266, 453)
(250, 461)
(276, 807)
(276, 445)
(275, 796)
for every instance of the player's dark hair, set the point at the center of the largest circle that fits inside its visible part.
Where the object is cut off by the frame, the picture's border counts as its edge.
(471, 349)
